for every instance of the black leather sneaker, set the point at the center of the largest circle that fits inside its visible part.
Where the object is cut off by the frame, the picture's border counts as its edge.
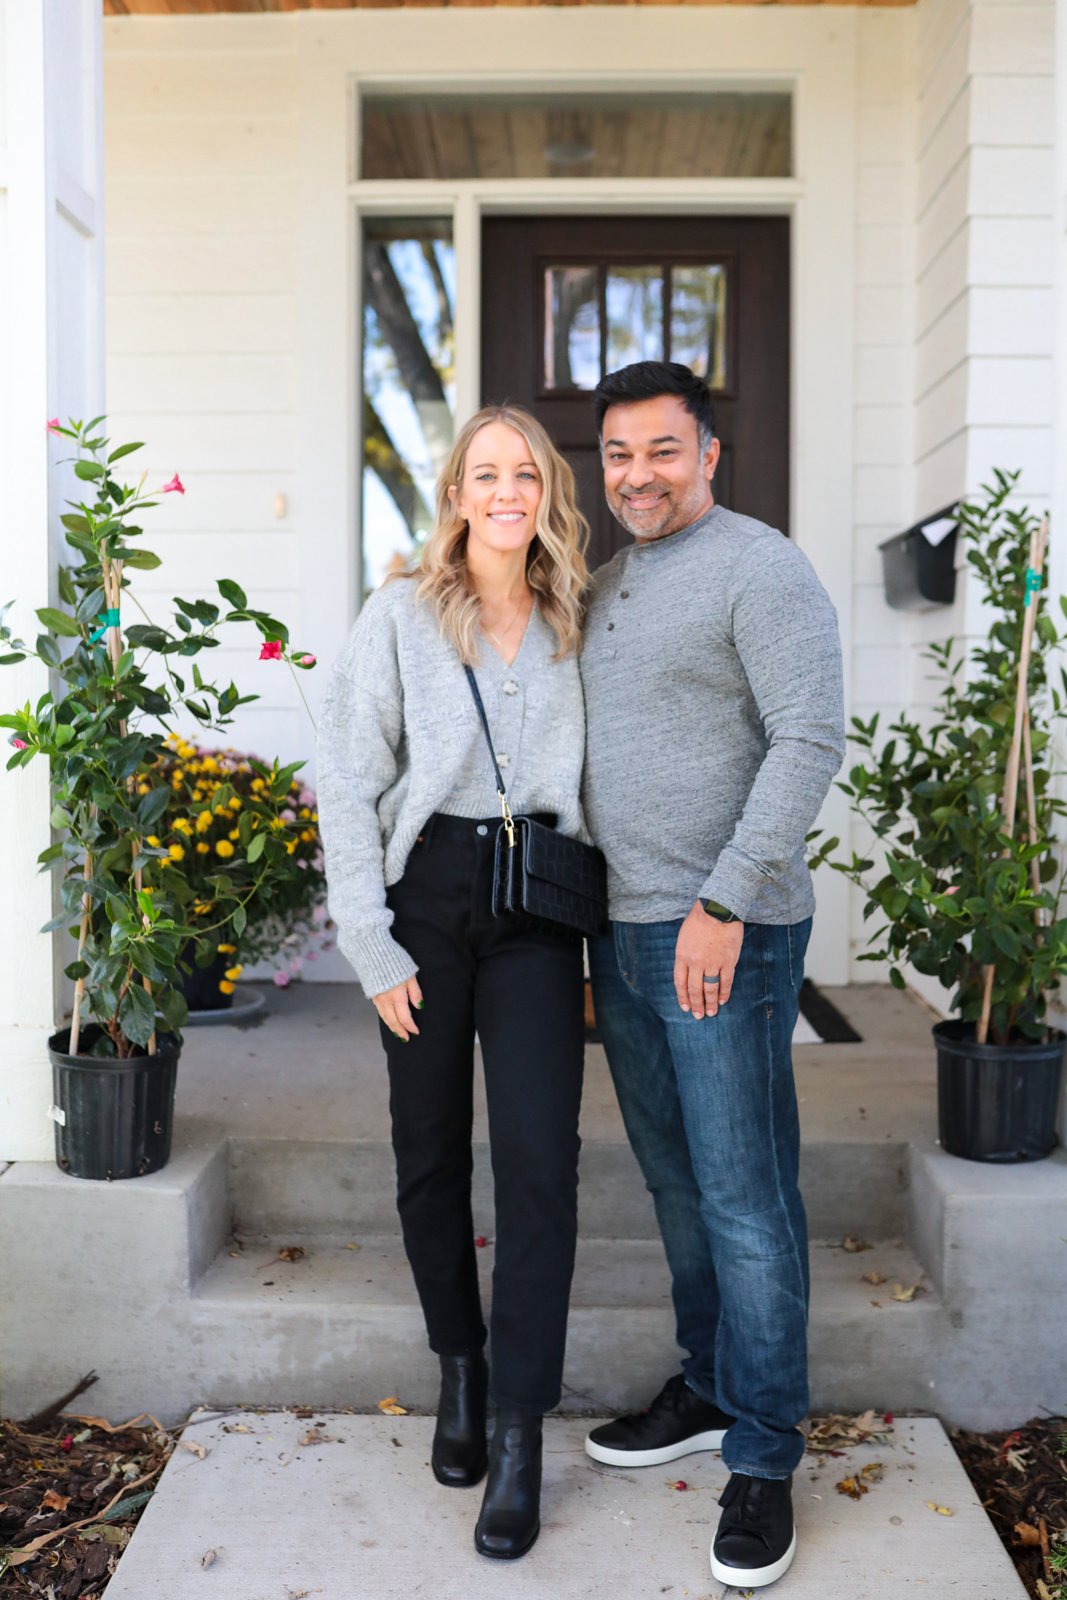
(677, 1423)
(756, 1541)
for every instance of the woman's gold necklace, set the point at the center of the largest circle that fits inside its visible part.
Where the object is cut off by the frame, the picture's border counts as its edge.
(511, 621)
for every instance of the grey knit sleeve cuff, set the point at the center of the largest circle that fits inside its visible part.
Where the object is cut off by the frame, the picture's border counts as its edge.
(735, 883)
(379, 962)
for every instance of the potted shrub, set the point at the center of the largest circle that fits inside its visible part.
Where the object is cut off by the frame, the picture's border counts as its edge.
(967, 881)
(130, 904)
(288, 908)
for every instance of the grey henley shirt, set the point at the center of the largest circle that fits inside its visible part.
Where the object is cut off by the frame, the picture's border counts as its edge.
(714, 721)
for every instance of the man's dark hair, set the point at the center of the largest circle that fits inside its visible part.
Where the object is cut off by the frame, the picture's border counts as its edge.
(646, 380)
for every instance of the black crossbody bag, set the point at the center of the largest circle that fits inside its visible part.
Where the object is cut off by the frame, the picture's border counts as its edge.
(542, 877)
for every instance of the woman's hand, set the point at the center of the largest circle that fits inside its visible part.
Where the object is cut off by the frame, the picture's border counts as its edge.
(394, 1006)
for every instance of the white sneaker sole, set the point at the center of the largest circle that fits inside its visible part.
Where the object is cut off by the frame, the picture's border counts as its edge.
(754, 1577)
(711, 1440)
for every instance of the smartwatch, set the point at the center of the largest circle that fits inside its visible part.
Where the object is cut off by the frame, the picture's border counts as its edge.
(720, 913)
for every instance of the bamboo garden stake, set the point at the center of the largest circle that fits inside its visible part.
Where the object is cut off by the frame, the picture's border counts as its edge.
(1038, 542)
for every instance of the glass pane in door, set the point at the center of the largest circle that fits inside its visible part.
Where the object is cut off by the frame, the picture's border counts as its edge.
(698, 321)
(572, 328)
(634, 299)
(409, 295)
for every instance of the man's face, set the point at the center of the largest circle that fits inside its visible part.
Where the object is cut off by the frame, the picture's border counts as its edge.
(656, 478)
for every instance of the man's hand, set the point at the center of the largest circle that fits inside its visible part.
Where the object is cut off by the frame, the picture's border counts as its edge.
(706, 948)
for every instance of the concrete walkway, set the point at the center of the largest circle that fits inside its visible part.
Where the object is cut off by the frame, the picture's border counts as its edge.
(355, 1514)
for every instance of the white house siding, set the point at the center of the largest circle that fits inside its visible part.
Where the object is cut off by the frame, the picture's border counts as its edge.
(202, 249)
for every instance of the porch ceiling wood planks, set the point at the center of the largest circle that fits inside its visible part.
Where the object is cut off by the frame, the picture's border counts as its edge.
(729, 135)
(183, 8)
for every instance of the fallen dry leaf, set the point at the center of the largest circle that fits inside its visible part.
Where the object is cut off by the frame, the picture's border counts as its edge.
(853, 1244)
(55, 1502)
(391, 1407)
(874, 1277)
(1019, 1459)
(209, 1558)
(873, 1472)
(1028, 1534)
(907, 1293)
(288, 1252)
(855, 1488)
(353, 1247)
(314, 1436)
(194, 1448)
(942, 1511)
(837, 1432)
(236, 1427)
(1043, 1590)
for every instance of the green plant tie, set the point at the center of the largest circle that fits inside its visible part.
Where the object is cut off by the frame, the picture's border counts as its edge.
(107, 619)
(1033, 583)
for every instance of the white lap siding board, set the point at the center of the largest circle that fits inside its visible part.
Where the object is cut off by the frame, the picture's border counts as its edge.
(200, 158)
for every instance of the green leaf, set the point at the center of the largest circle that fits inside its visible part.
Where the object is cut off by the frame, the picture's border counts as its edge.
(58, 622)
(239, 919)
(257, 847)
(233, 593)
(142, 560)
(88, 469)
(123, 450)
(137, 1014)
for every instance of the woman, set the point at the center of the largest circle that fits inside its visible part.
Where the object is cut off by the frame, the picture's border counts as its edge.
(409, 813)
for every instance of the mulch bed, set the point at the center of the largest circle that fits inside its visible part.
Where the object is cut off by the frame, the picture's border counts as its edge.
(1021, 1479)
(71, 1491)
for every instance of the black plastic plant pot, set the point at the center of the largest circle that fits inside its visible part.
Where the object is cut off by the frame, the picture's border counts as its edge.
(113, 1118)
(201, 986)
(997, 1102)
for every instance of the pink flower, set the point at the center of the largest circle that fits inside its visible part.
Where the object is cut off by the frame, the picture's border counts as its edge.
(271, 651)
(288, 814)
(302, 864)
(312, 955)
(175, 485)
(281, 979)
(306, 661)
(318, 915)
(954, 890)
(20, 744)
(307, 797)
(296, 966)
(53, 424)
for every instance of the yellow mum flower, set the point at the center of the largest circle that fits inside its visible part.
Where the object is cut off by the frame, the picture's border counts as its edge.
(304, 812)
(153, 841)
(227, 988)
(235, 833)
(203, 849)
(291, 846)
(226, 949)
(177, 852)
(223, 848)
(235, 972)
(235, 803)
(203, 821)
(178, 774)
(277, 824)
(202, 906)
(307, 836)
(182, 825)
(314, 816)
(142, 788)
(165, 861)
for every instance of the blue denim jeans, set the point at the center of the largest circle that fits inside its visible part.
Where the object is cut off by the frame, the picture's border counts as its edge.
(710, 1109)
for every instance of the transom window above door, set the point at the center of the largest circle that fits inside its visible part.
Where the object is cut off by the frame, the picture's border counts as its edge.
(598, 317)
(707, 134)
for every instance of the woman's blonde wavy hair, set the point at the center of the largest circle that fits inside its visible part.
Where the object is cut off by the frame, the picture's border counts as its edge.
(555, 560)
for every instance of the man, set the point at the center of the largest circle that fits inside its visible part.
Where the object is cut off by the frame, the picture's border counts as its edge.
(712, 676)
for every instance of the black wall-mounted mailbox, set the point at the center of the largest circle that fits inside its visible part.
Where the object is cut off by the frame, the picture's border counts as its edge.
(919, 565)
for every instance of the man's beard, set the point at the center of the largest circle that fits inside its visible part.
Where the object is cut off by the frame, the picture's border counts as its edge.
(669, 516)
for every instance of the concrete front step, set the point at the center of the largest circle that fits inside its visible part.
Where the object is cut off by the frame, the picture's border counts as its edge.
(341, 1326)
(359, 1514)
(324, 1186)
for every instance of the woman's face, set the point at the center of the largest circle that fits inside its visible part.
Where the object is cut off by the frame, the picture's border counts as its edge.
(500, 491)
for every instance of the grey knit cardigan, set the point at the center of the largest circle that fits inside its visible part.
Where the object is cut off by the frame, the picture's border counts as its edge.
(395, 736)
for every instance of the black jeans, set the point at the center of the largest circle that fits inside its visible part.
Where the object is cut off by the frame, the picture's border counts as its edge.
(523, 994)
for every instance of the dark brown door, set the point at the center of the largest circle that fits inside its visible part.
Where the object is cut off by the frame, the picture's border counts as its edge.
(565, 299)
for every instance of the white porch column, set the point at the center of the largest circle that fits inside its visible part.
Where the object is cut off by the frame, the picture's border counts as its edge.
(51, 363)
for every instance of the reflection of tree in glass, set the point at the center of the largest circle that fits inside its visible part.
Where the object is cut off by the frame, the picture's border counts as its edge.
(572, 328)
(698, 321)
(635, 315)
(408, 365)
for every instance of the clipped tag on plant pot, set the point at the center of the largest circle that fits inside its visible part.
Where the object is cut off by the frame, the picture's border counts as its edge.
(57, 1114)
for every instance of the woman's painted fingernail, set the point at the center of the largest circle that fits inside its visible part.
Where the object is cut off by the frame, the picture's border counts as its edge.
(419, 1004)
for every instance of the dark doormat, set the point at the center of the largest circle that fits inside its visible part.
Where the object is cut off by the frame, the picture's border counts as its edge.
(824, 1017)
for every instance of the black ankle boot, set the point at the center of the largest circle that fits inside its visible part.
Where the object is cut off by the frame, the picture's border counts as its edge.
(511, 1510)
(459, 1449)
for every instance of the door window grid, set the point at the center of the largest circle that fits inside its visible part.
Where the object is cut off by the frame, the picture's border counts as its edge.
(601, 317)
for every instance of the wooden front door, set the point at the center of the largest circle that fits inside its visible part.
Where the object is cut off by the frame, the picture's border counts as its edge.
(566, 299)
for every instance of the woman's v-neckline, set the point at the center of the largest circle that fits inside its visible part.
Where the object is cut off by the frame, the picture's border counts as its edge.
(508, 665)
